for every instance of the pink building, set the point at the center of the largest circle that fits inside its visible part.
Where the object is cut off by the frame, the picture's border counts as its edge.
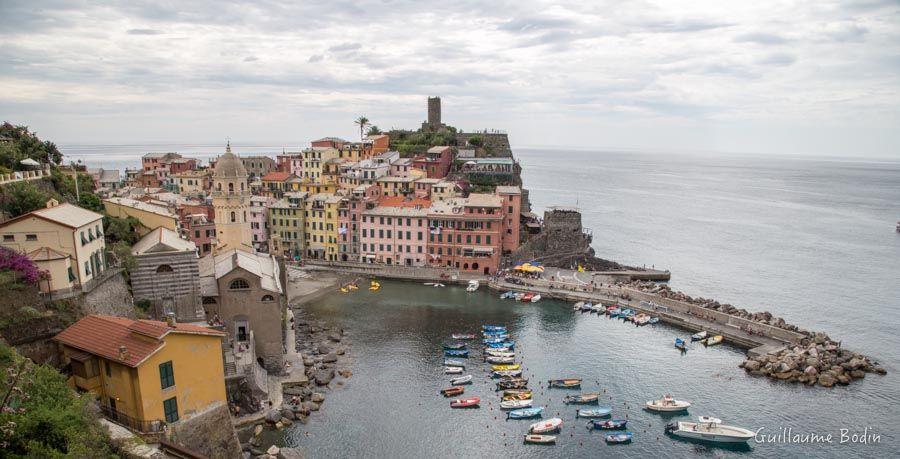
(259, 222)
(395, 232)
(291, 162)
(512, 213)
(435, 162)
(361, 198)
(466, 233)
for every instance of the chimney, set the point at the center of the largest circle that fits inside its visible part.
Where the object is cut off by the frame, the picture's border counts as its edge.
(170, 319)
(123, 353)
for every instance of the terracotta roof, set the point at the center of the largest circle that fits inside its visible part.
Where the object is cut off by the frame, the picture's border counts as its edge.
(276, 176)
(102, 336)
(400, 201)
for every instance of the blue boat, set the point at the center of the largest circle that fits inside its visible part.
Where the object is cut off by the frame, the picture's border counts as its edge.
(653, 320)
(525, 413)
(615, 313)
(502, 344)
(507, 295)
(454, 346)
(594, 412)
(494, 340)
(456, 353)
(490, 333)
(610, 424)
(624, 437)
(493, 327)
(680, 344)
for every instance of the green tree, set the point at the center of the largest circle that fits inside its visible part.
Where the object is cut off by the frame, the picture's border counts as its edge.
(476, 141)
(29, 145)
(362, 122)
(22, 197)
(90, 201)
(121, 229)
(373, 130)
(41, 416)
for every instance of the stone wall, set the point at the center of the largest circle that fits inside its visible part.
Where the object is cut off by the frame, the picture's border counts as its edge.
(497, 143)
(562, 242)
(209, 432)
(110, 298)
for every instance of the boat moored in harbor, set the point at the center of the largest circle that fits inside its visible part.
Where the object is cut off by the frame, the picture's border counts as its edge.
(525, 413)
(667, 404)
(540, 439)
(609, 424)
(550, 425)
(565, 383)
(709, 429)
(471, 402)
(467, 379)
(624, 437)
(594, 412)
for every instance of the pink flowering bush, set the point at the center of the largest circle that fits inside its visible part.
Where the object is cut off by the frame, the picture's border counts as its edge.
(18, 263)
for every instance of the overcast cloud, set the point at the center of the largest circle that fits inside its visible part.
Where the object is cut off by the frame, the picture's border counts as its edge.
(818, 77)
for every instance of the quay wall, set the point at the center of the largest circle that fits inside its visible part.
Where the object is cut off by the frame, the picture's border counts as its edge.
(416, 273)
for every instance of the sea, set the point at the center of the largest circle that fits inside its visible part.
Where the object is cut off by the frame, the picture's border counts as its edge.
(809, 239)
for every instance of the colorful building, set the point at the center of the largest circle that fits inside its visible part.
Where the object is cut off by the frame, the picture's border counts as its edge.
(466, 233)
(512, 216)
(150, 216)
(287, 226)
(350, 211)
(290, 162)
(435, 162)
(399, 185)
(259, 221)
(322, 226)
(276, 183)
(395, 232)
(313, 159)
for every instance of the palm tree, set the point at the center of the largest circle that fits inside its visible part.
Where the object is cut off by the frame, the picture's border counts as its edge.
(362, 122)
(373, 130)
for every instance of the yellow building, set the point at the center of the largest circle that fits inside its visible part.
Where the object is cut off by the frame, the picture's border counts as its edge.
(62, 239)
(287, 226)
(403, 185)
(145, 373)
(318, 188)
(322, 226)
(192, 182)
(313, 160)
(151, 216)
(231, 201)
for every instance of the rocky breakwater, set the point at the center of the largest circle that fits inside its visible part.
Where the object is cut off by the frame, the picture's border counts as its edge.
(816, 360)
(326, 359)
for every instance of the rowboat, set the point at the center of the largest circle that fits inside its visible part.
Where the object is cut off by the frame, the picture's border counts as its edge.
(352, 286)
(578, 305)
(493, 327)
(624, 437)
(709, 429)
(494, 334)
(493, 359)
(496, 353)
(591, 397)
(473, 285)
(518, 384)
(515, 404)
(519, 396)
(593, 413)
(713, 340)
(641, 319)
(495, 340)
(699, 336)
(540, 439)
(463, 336)
(508, 344)
(515, 366)
(471, 402)
(467, 379)
(611, 308)
(587, 306)
(550, 425)
(525, 413)
(527, 297)
(609, 424)
(453, 370)
(507, 295)
(506, 373)
(454, 363)
(598, 308)
(489, 350)
(452, 391)
(653, 320)
(679, 343)
(535, 298)
(456, 353)
(517, 392)
(615, 313)
(566, 383)
(667, 404)
(454, 346)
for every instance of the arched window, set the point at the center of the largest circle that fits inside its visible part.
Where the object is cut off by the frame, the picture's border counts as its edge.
(232, 217)
(230, 187)
(219, 186)
(242, 186)
(239, 284)
(209, 300)
(268, 298)
(164, 269)
(474, 265)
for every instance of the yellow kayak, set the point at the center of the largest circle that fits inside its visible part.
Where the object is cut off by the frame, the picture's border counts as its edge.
(344, 290)
(374, 288)
(713, 340)
(505, 367)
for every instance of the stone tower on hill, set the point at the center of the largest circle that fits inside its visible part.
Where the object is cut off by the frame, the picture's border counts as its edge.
(434, 115)
(231, 201)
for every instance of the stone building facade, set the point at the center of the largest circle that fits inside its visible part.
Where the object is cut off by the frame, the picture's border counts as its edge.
(231, 200)
(166, 274)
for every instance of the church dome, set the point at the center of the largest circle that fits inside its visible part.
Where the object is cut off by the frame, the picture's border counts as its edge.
(230, 166)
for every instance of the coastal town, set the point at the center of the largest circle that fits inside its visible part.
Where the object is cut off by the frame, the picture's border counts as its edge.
(185, 281)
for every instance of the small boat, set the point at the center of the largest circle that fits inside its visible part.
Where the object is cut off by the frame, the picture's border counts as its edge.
(593, 413)
(525, 413)
(374, 288)
(709, 429)
(565, 383)
(515, 404)
(456, 353)
(518, 396)
(517, 392)
(507, 295)
(453, 370)
(653, 320)
(344, 290)
(615, 313)
(699, 336)
(494, 327)
(517, 384)
(439, 285)
(667, 404)
(713, 340)
(467, 379)
(624, 437)
(506, 374)
(454, 346)
(680, 344)
(578, 305)
(550, 425)
(473, 285)
(494, 333)
(454, 363)
(535, 298)
(471, 402)
(452, 391)
(504, 345)
(489, 349)
(493, 359)
(518, 296)
(591, 397)
(430, 284)
(641, 319)
(527, 297)
(495, 340)
(598, 308)
(611, 308)
(353, 287)
(515, 366)
(540, 439)
(585, 307)
(609, 424)
(463, 336)
(496, 353)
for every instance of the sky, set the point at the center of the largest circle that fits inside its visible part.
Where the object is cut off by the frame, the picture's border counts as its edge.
(780, 77)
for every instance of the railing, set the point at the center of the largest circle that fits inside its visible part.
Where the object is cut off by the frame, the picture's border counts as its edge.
(135, 425)
(21, 176)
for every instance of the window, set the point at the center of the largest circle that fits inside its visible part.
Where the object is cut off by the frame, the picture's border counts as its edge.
(233, 217)
(166, 375)
(108, 369)
(239, 284)
(9, 238)
(164, 269)
(170, 407)
(268, 298)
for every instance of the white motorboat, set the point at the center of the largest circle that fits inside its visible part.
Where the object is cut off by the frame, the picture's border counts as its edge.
(550, 425)
(515, 404)
(578, 305)
(453, 370)
(461, 380)
(710, 429)
(495, 353)
(667, 404)
(439, 285)
(473, 285)
(598, 308)
(494, 359)
(699, 336)
(535, 298)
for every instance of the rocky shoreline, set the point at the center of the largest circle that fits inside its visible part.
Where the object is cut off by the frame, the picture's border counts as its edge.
(817, 360)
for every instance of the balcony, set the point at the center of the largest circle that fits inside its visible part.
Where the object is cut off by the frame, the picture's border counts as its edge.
(142, 427)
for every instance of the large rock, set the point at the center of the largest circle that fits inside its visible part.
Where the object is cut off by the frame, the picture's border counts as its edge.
(810, 371)
(752, 365)
(324, 377)
(288, 414)
(330, 358)
(826, 380)
(323, 349)
(334, 336)
(290, 453)
(273, 450)
(273, 416)
(318, 397)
